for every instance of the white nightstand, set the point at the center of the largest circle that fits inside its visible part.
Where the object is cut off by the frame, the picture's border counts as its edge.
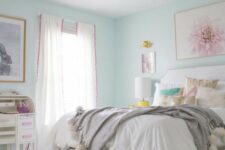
(17, 128)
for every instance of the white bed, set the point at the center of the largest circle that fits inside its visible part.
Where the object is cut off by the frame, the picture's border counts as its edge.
(150, 132)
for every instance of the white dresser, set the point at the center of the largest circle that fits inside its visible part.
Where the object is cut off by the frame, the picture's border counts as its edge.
(17, 130)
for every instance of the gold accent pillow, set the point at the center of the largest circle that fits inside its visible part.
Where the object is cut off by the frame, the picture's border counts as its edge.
(191, 85)
(177, 100)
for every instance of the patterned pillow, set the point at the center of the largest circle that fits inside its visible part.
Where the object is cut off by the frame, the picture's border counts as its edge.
(171, 92)
(161, 86)
(177, 100)
(191, 85)
(191, 92)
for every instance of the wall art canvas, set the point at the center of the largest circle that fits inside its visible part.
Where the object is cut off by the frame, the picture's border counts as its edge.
(200, 32)
(148, 62)
(12, 49)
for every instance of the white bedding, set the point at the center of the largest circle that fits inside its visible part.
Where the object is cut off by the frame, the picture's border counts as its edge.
(153, 133)
(60, 136)
(143, 133)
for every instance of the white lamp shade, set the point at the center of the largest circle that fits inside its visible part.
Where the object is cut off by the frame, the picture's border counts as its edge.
(142, 87)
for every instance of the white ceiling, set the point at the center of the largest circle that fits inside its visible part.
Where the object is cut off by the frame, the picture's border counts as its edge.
(113, 8)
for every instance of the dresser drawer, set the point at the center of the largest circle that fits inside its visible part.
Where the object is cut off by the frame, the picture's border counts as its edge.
(26, 122)
(7, 121)
(26, 136)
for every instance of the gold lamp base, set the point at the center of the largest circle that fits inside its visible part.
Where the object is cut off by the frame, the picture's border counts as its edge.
(142, 103)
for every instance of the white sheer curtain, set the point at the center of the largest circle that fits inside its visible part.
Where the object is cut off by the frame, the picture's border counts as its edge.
(49, 92)
(54, 92)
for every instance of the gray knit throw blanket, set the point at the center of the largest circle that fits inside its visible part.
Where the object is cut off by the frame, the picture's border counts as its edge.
(94, 128)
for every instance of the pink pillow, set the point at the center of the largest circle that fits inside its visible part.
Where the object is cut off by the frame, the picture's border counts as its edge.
(191, 92)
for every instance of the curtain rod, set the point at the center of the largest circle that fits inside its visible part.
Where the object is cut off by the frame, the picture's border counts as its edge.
(66, 20)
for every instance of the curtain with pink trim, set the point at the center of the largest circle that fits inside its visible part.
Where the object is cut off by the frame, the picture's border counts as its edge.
(57, 86)
(49, 92)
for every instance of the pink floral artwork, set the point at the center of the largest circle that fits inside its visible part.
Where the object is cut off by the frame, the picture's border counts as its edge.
(207, 38)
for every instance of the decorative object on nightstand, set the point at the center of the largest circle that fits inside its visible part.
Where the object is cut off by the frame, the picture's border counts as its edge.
(17, 122)
(142, 90)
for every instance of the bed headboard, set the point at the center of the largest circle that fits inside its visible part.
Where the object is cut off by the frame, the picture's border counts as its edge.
(177, 76)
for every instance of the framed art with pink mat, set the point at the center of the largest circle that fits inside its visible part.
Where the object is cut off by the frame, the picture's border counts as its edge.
(200, 32)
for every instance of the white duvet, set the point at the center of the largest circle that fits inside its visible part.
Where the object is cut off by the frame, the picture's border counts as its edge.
(153, 133)
(147, 132)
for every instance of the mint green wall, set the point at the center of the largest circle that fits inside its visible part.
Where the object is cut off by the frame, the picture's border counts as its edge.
(118, 40)
(29, 10)
(156, 25)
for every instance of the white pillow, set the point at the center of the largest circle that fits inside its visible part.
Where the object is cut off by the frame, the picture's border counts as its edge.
(209, 97)
(220, 85)
(158, 88)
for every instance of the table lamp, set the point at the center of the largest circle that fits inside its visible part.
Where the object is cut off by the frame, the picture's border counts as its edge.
(142, 90)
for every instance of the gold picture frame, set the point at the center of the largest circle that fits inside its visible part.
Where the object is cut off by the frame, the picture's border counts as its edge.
(12, 49)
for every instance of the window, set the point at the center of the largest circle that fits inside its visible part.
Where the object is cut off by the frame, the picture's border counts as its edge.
(78, 65)
(73, 62)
